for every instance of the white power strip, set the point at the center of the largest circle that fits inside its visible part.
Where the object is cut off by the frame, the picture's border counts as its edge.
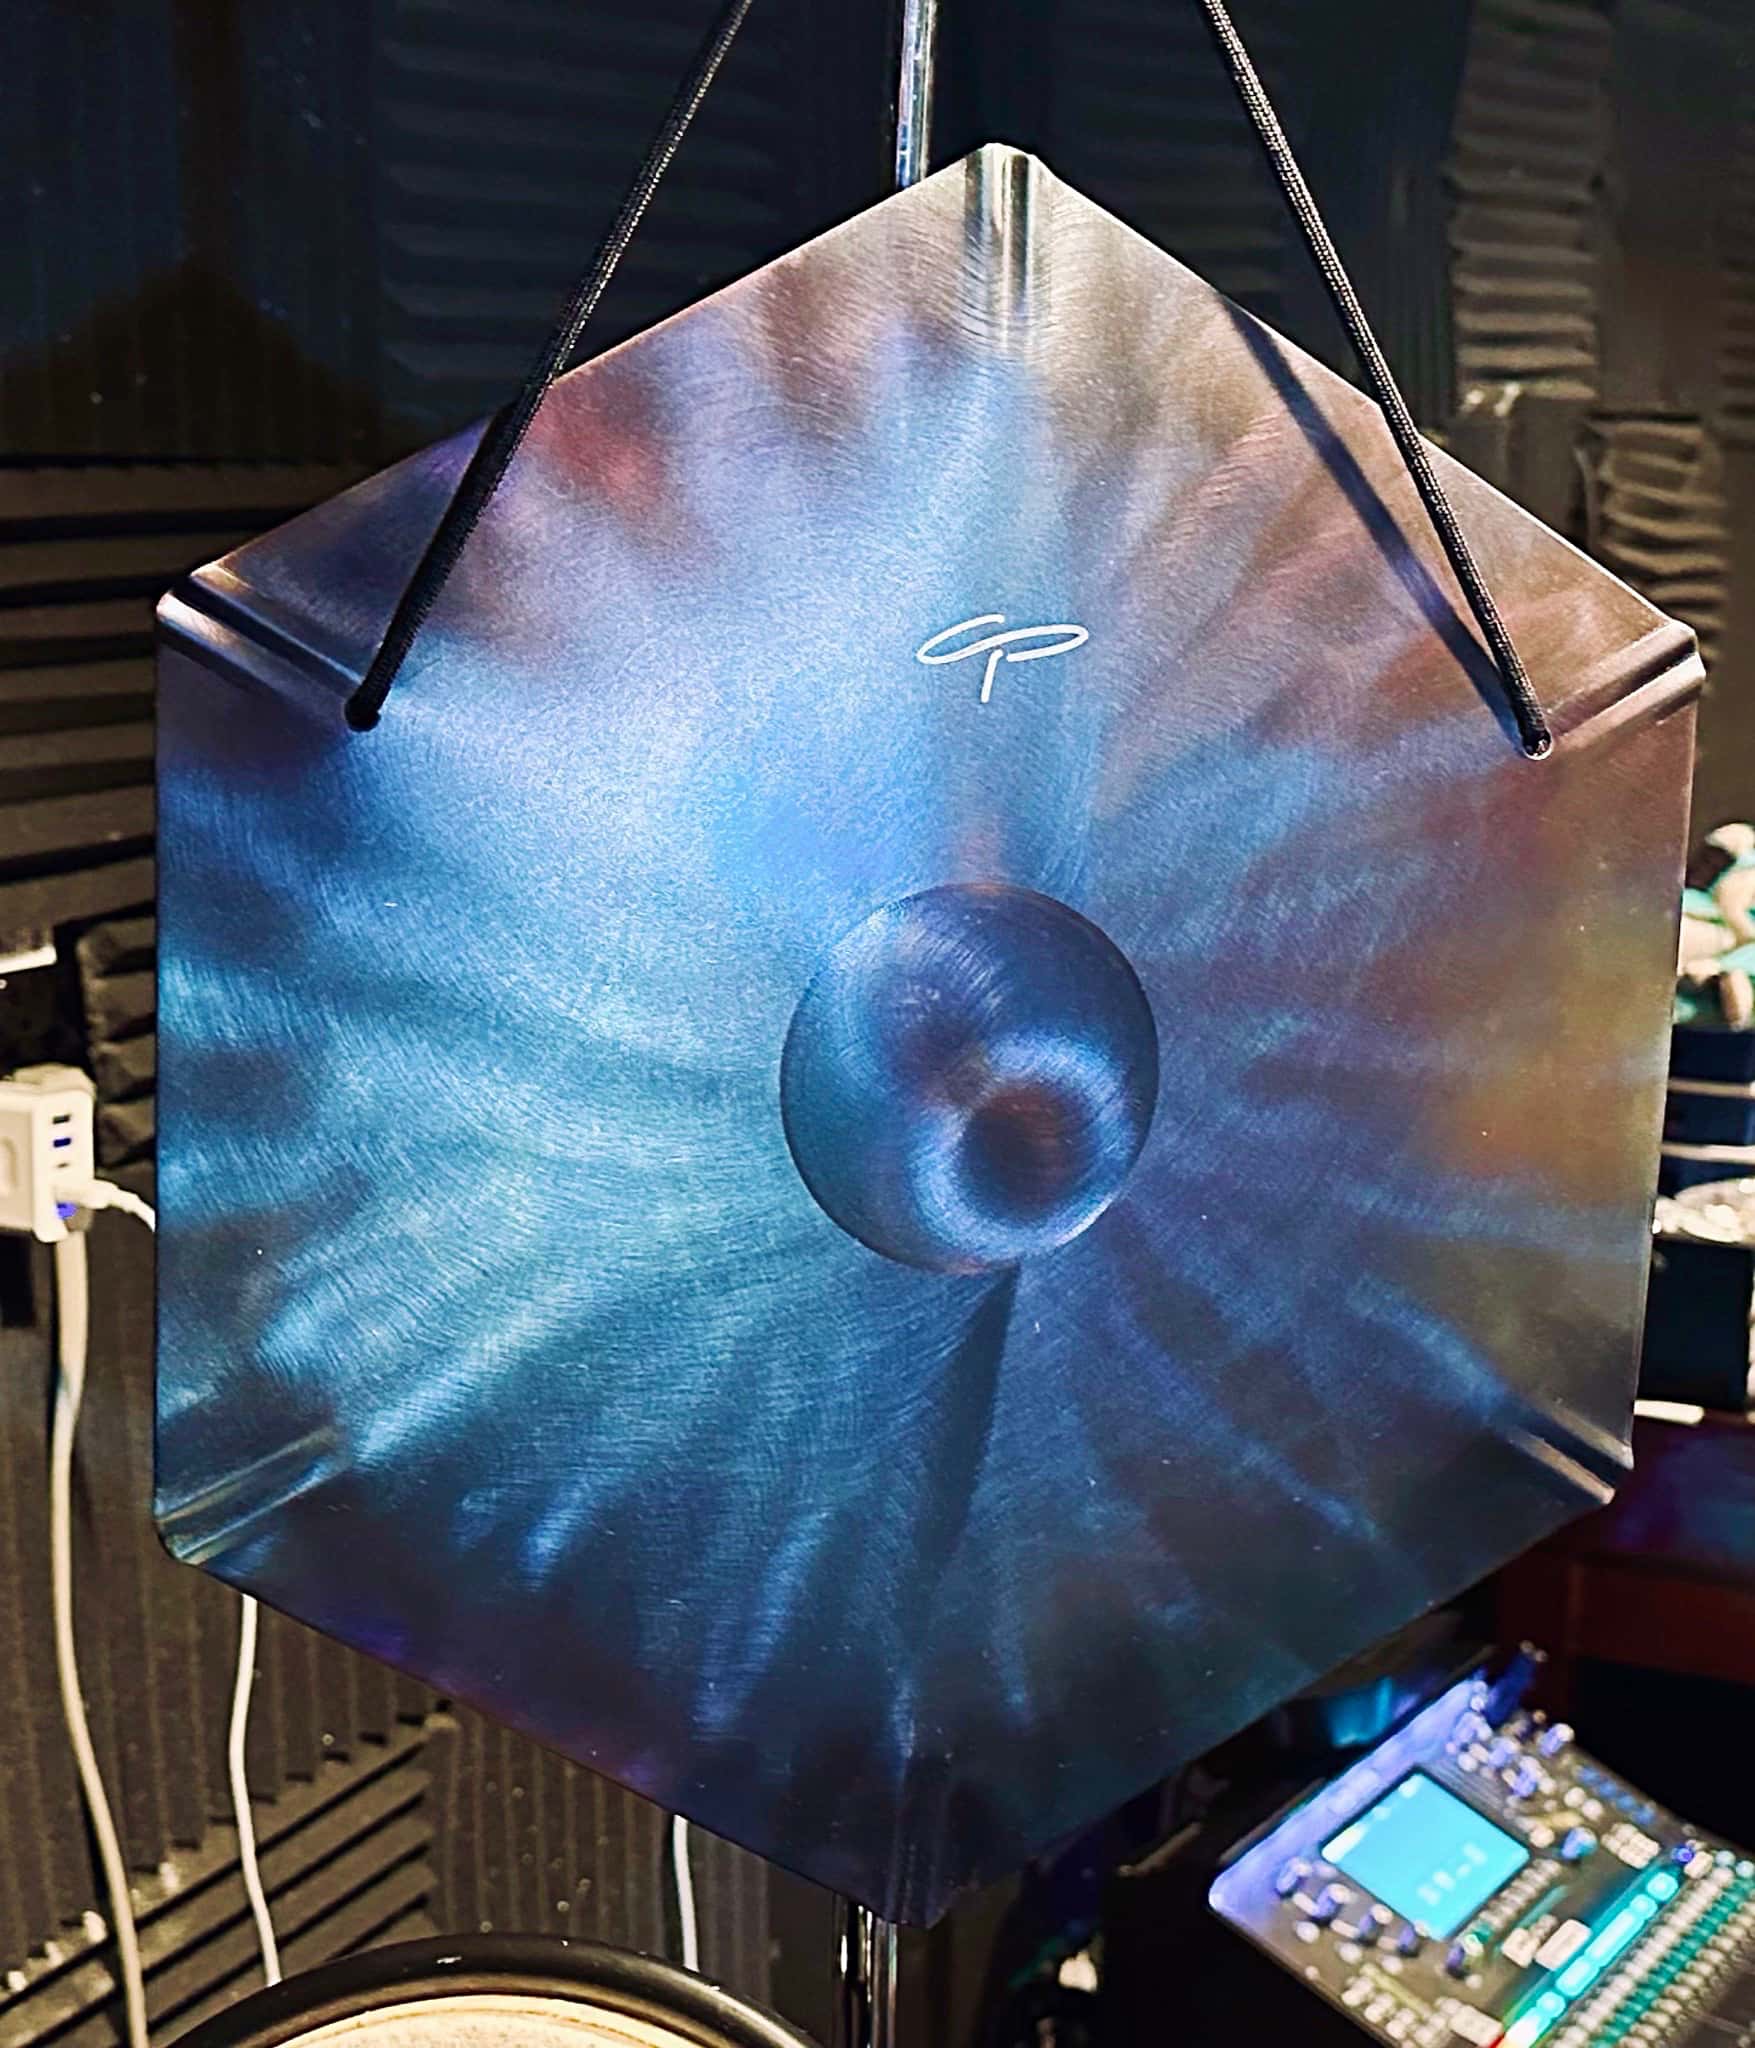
(48, 1163)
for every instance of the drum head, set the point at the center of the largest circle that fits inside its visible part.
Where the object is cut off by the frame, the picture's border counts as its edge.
(498, 1992)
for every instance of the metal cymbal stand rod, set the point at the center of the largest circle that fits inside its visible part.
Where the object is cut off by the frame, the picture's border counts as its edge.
(865, 1946)
(865, 1992)
(916, 64)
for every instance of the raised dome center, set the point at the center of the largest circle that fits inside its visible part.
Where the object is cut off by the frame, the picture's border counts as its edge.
(969, 1077)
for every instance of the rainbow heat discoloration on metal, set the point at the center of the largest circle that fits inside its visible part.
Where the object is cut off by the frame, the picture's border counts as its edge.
(1209, 1335)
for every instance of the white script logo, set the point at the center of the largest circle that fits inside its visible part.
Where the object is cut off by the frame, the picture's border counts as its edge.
(1022, 643)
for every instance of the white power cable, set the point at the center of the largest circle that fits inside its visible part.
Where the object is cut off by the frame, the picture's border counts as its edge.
(240, 1728)
(72, 1301)
(687, 1923)
(105, 1194)
(73, 1305)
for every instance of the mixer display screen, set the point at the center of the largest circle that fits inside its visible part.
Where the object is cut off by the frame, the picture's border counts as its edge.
(1427, 1855)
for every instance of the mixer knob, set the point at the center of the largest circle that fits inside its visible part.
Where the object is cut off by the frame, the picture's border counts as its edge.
(1502, 1752)
(1555, 1739)
(1409, 1941)
(1579, 1843)
(1524, 1781)
(1329, 1902)
(1459, 1959)
(1372, 1925)
(1290, 1876)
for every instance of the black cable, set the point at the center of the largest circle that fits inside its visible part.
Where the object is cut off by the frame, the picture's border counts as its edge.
(506, 430)
(1532, 724)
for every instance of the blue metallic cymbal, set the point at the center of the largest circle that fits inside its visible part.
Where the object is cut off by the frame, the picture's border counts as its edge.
(942, 1107)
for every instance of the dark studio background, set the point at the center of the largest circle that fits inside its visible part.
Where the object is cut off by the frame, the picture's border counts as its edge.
(253, 250)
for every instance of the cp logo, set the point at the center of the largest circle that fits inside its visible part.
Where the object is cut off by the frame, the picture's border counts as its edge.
(1022, 643)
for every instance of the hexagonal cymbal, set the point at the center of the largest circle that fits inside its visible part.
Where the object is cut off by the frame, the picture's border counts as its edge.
(941, 1108)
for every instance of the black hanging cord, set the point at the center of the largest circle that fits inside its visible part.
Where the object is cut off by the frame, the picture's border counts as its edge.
(499, 443)
(1532, 724)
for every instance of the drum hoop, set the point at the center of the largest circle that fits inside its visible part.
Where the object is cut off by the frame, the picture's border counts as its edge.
(623, 1984)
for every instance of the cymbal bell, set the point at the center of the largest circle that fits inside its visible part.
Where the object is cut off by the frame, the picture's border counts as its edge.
(941, 1108)
(969, 1077)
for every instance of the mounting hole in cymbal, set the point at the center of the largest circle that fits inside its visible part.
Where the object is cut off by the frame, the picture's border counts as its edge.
(969, 1077)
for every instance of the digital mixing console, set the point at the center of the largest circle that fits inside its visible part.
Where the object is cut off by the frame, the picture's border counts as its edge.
(1477, 1879)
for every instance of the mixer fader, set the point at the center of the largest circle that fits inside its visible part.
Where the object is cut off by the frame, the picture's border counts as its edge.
(1479, 1881)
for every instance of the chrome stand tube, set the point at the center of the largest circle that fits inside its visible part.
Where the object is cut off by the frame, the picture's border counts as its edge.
(865, 1946)
(865, 1979)
(916, 61)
